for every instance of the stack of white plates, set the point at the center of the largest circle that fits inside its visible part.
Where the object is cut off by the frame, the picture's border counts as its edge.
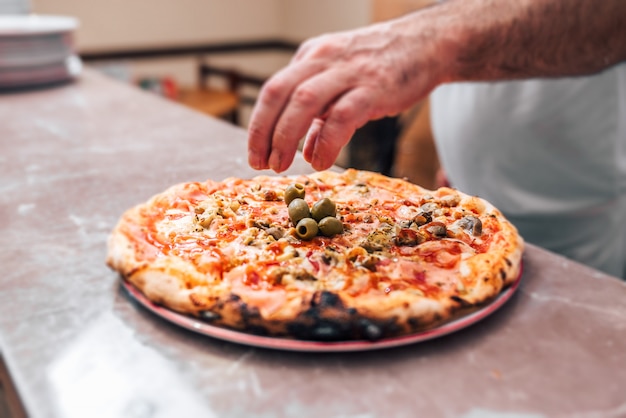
(37, 50)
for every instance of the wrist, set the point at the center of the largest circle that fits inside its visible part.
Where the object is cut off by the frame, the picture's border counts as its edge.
(433, 35)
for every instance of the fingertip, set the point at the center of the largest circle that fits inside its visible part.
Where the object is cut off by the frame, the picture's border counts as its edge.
(308, 149)
(307, 155)
(256, 157)
(255, 162)
(276, 161)
(311, 139)
(320, 165)
(321, 160)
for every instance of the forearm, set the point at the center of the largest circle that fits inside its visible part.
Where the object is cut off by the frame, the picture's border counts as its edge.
(504, 39)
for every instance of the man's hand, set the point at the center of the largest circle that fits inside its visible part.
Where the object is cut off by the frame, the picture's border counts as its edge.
(333, 86)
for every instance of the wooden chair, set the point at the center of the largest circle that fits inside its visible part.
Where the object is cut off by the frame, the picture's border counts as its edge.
(223, 103)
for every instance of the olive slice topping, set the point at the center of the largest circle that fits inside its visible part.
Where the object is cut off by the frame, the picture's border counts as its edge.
(298, 209)
(306, 228)
(321, 218)
(294, 191)
(323, 208)
(330, 226)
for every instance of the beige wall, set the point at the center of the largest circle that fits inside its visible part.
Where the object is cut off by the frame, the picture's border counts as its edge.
(127, 23)
(388, 9)
(302, 19)
(120, 24)
(109, 24)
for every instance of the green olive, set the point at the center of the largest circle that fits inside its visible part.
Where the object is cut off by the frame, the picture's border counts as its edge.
(298, 209)
(330, 226)
(294, 191)
(306, 228)
(323, 208)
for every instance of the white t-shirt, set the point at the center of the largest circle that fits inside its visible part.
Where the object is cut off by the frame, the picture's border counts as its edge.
(551, 154)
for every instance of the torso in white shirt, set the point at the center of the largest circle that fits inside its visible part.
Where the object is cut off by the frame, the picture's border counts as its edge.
(551, 154)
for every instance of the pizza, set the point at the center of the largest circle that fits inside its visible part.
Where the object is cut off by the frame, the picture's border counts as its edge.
(329, 256)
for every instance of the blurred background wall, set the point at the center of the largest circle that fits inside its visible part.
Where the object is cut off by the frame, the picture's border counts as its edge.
(131, 23)
(118, 25)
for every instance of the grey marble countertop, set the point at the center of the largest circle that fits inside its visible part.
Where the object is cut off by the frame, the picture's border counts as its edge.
(74, 157)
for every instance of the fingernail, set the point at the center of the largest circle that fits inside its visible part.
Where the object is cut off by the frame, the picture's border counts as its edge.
(275, 159)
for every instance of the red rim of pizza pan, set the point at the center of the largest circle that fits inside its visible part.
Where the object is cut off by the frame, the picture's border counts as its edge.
(276, 343)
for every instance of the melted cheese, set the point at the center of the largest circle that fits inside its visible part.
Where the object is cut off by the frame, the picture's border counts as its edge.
(224, 229)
